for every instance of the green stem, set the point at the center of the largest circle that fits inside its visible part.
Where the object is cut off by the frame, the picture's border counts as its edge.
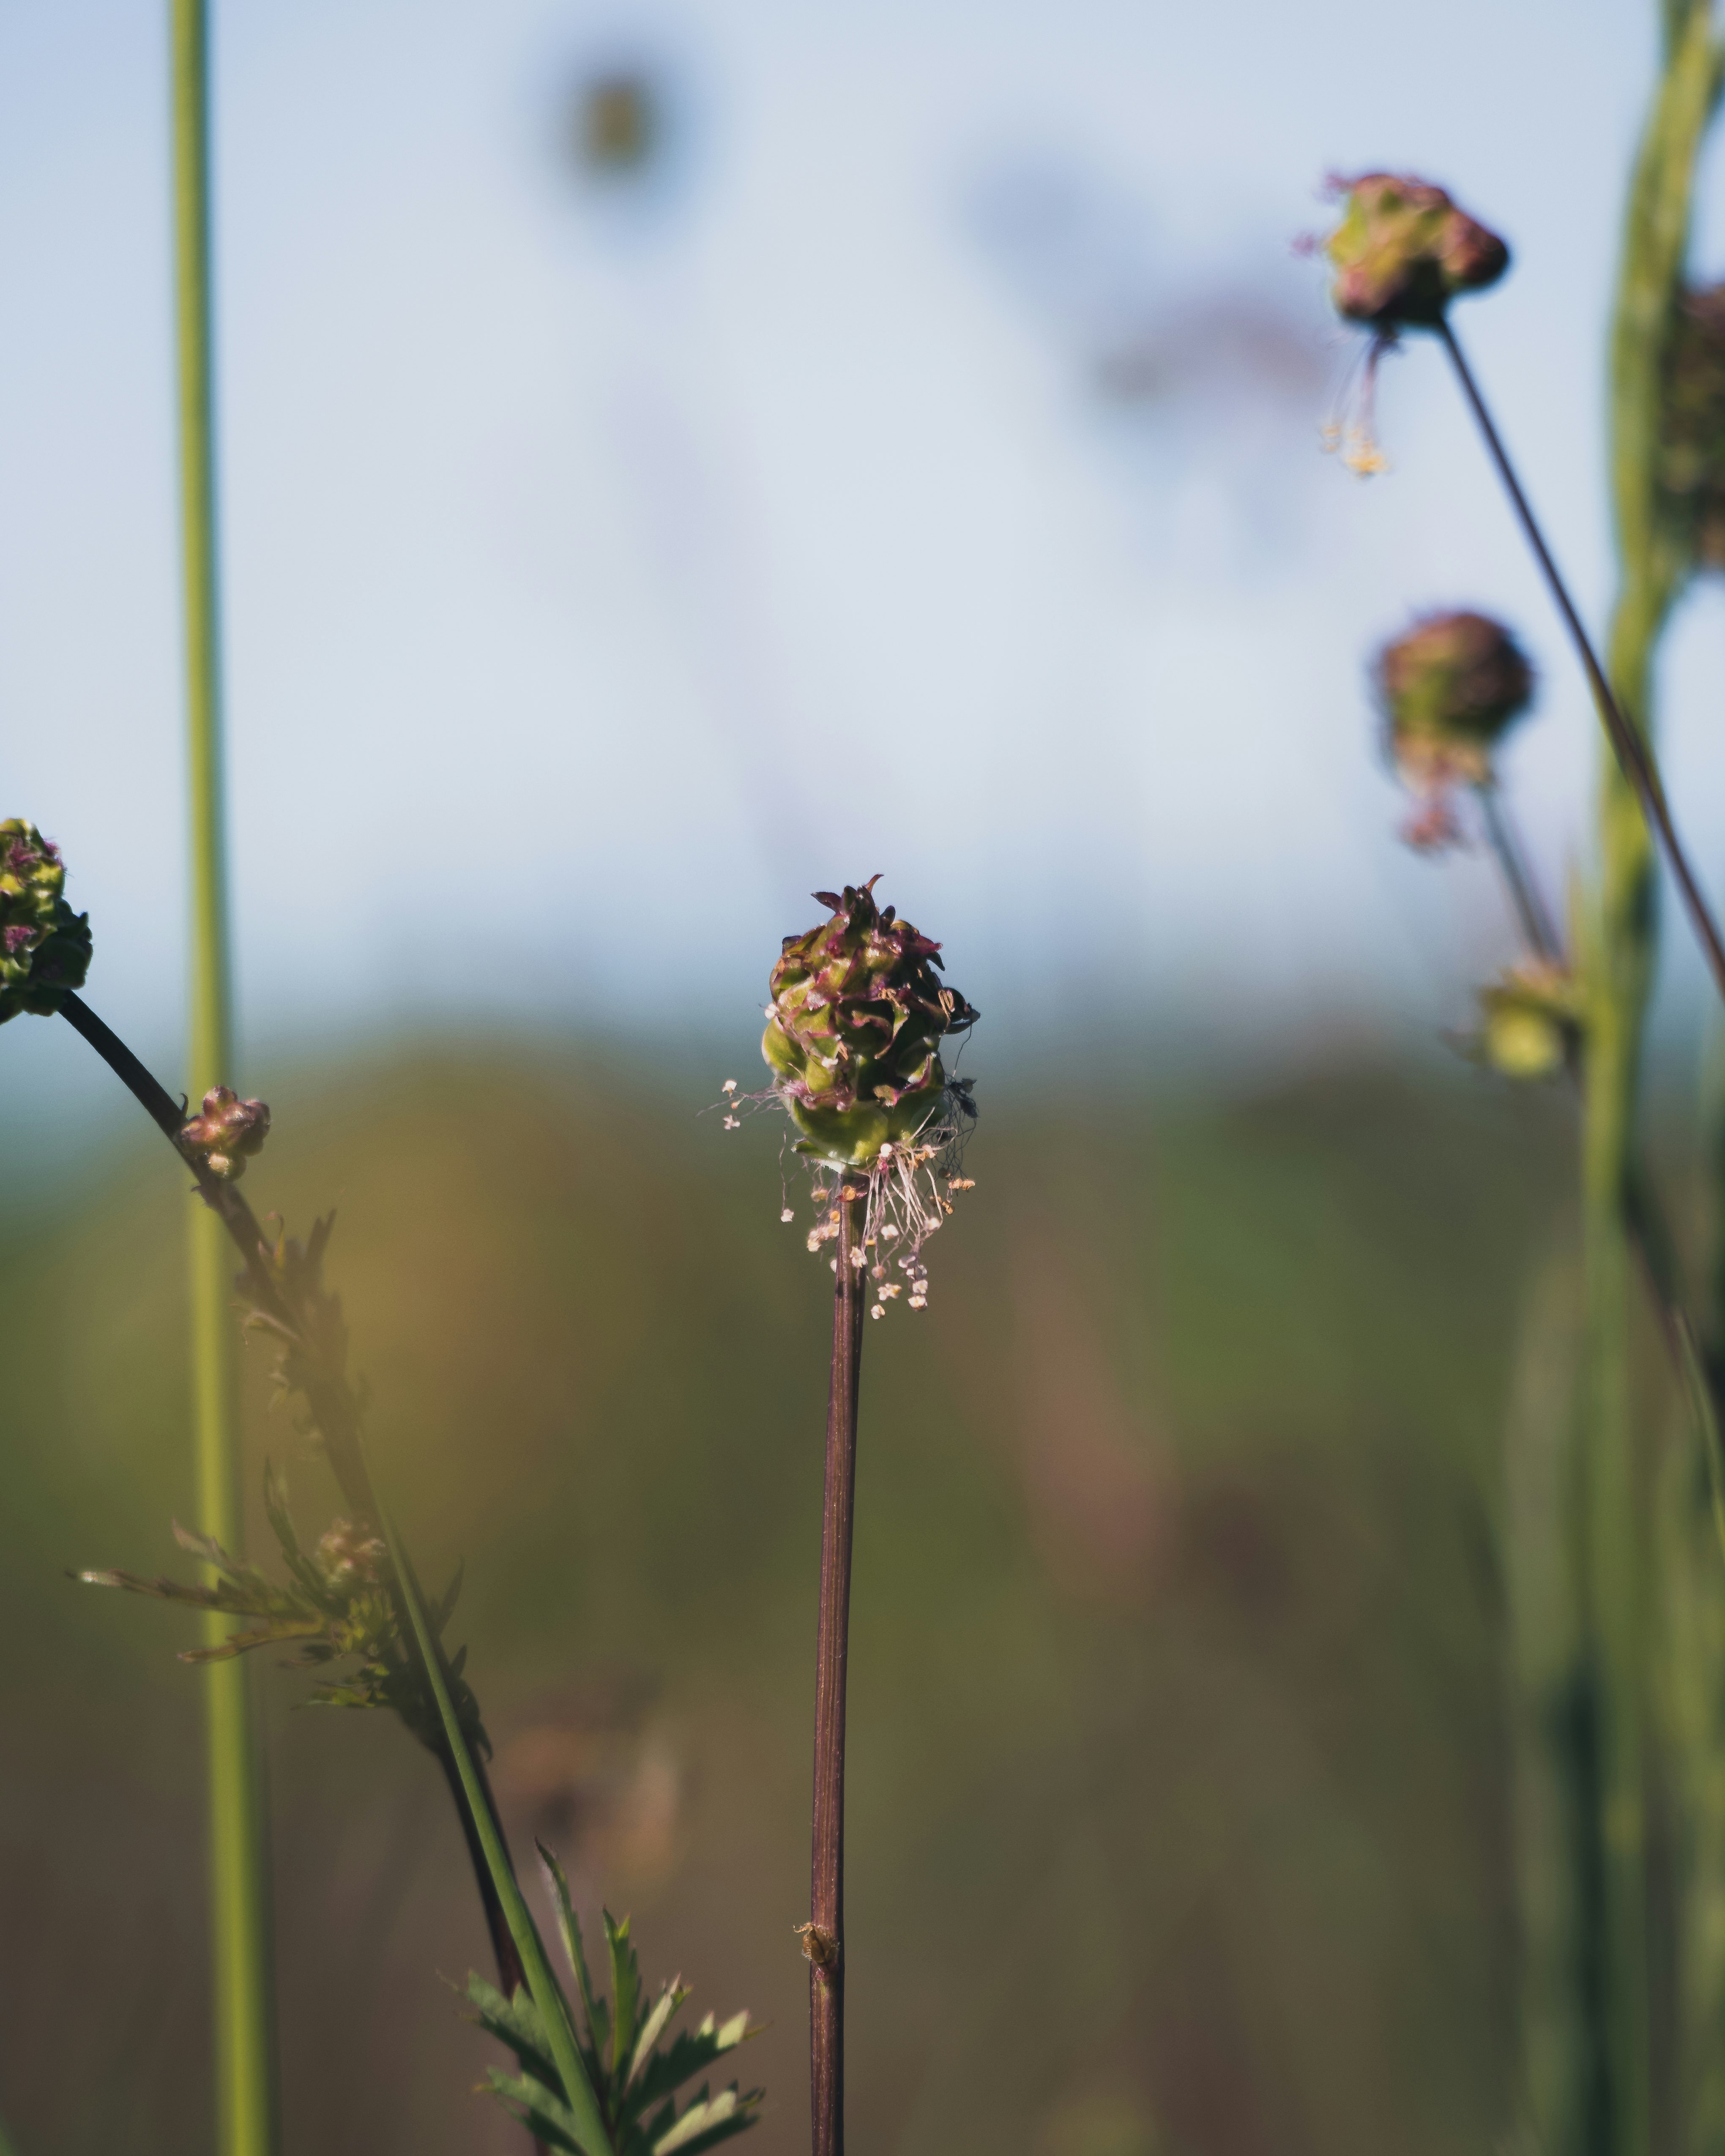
(239, 1831)
(547, 1993)
(1619, 976)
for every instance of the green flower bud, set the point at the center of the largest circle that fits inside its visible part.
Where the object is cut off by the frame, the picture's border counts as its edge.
(1530, 1021)
(228, 1133)
(1692, 426)
(1450, 689)
(1403, 251)
(44, 947)
(853, 1036)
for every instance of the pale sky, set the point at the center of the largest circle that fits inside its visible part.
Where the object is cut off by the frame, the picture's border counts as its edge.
(608, 570)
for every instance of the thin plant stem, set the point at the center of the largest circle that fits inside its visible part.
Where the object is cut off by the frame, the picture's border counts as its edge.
(334, 1408)
(1628, 742)
(480, 1817)
(1524, 895)
(825, 1938)
(1646, 1215)
(1618, 974)
(248, 2123)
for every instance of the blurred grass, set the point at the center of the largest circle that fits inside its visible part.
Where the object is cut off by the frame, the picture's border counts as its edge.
(1180, 1775)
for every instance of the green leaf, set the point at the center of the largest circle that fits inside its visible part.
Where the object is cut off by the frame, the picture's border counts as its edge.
(534, 2104)
(708, 2120)
(625, 1991)
(653, 2028)
(691, 2054)
(515, 2022)
(276, 1511)
(443, 1608)
(599, 2021)
(547, 1993)
(264, 1635)
(1701, 1399)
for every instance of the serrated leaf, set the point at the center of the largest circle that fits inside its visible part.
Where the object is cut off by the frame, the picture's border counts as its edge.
(272, 1634)
(735, 2031)
(625, 1990)
(281, 1522)
(653, 2028)
(708, 2120)
(515, 2022)
(533, 2103)
(569, 1931)
(444, 1608)
(205, 1547)
(691, 2053)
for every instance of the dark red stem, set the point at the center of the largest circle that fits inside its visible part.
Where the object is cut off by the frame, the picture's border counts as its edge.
(824, 1940)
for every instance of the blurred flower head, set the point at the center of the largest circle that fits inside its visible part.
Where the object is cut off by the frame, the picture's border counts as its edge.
(1403, 251)
(1530, 1021)
(1449, 689)
(617, 122)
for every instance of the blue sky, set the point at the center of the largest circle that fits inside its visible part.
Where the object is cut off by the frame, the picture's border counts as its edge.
(604, 572)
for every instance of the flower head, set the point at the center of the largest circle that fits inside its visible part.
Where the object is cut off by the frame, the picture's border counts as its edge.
(854, 1035)
(1403, 251)
(44, 947)
(854, 1031)
(1530, 1021)
(228, 1133)
(1450, 689)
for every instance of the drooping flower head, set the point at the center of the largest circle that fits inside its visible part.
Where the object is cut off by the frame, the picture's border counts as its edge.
(1403, 251)
(854, 1029)
(44, 947)
(1450, 689)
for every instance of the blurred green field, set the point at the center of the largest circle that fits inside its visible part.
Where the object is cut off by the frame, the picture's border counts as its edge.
(1179, 1810)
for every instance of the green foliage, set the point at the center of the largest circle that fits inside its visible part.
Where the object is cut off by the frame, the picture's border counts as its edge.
(335, 1606)
(44, 947)
(634, 2071)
